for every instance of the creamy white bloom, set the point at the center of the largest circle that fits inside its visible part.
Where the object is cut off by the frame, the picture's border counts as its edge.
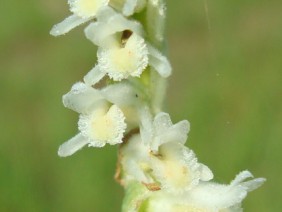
(83, 11)
(122, 50)
(177, 169)
(168, 163)
(104, 125)
(100, 122)
(102, 114)
(166, 171)
(207, 196)
(123, 60)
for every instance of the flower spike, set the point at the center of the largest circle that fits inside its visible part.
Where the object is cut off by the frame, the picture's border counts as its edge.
(120, 103)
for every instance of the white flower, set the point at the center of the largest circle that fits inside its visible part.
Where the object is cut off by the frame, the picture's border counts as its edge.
(177, 169)
(103, 125)
(100, 121)
(163, 160)
(161, 130)
(103, 113)
(121, 61)
(83, 11)
(174, 169)
(122, 50)
(207, 196)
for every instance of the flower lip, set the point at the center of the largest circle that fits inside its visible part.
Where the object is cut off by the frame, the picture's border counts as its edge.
(128, 59)
(103, 126)
(177, 169)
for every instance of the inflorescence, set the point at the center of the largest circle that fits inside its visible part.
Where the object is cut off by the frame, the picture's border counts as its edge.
(119, 101)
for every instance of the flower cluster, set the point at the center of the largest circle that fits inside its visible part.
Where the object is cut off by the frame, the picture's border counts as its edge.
(115, 102)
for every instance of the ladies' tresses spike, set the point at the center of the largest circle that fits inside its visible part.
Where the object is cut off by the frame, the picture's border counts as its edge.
(157, 170)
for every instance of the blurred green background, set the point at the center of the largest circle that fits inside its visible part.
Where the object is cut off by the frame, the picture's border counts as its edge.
(227, 81)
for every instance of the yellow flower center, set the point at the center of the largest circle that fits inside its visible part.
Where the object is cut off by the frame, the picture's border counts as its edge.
(176, 174)
(103, 128)
(87, 8)
(124, 60)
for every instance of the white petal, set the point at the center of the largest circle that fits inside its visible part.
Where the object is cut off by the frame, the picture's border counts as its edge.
(241, 177)
(93, 76)
(249, 185)
(216, 196)
(109, 22)
(253, 184)
(179, 131)
(129, 6)
(68, 24)
(119, 23)
(159, 62)
(121, 94)
(162, 122)
(166, 132)
(82, 98)
(206, 173)
(72, 145)
(101, 35)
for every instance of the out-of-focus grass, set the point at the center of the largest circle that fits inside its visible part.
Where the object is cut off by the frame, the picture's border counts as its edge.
(227, 83)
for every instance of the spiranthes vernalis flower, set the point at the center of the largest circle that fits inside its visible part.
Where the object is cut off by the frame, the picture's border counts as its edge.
(122, 50)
